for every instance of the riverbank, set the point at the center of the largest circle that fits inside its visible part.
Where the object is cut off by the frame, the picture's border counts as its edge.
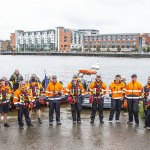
(102, 54)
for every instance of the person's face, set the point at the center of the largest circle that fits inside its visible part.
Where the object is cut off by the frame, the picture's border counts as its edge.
(148, 80)
(2, 82)
(98, 78)
(22, 86)
(118, 79)
(17, 72)
(133, 79)
(75, 79)
(54, 80)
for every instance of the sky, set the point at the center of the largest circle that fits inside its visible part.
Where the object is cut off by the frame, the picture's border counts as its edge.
(107, 16)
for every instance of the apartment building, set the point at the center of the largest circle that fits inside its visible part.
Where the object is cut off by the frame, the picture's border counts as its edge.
(113, 41)
(4, 45)
(13, 41)
(35, 40)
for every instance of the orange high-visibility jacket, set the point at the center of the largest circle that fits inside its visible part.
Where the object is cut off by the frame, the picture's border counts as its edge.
(18, 93)
(6, 88)
(133, 90)
(52, 89)
(117, 89)
(69, 89)
(93, 88)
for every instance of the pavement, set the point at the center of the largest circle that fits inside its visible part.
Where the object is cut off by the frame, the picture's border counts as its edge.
(85, 136)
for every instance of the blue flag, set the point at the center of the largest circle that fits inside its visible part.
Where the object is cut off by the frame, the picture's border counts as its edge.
(46, 81)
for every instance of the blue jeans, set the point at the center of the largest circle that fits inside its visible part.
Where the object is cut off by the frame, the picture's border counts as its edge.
(116, 105)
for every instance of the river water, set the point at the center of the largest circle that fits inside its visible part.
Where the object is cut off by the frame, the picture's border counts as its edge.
(65, 66)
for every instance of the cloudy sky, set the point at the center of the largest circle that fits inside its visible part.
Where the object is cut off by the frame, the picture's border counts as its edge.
(109, 16)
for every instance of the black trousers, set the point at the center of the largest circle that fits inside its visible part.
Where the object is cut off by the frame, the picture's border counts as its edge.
(133, 108)
(115, 106)
(23, 111)
(76, 111)
(147, 118)
(97, 106)
(54, 105)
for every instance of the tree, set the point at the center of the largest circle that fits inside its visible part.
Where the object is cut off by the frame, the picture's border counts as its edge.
(148, 49)
(118, 48)
(144, 50)
(136, 49)
(98, 49)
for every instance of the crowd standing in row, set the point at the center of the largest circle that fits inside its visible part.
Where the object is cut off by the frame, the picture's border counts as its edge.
(28, 94)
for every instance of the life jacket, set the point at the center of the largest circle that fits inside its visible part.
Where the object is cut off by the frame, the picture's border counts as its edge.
(97, 89)
(4, 94)
(35, 89)
(75, 91)
(24, 96)
(146, 90)
(17, 78)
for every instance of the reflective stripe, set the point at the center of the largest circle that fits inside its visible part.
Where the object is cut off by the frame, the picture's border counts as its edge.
(117, 92)
(33, 100)
(68, 90)
(15, 103)
(82, 94)
(134, 91)
(54, 98)
(133, 97)
(117, 98)
(16, 97)
(6, 101)
(48, 92)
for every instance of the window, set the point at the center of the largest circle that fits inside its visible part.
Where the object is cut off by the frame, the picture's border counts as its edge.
(104, 37)
(123, 44)
(108, 37)
(113, 37)
(123, 37)
(118, 37)
(133, 37)
(113, 44)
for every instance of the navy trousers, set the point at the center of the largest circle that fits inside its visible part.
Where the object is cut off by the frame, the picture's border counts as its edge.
(23, 111)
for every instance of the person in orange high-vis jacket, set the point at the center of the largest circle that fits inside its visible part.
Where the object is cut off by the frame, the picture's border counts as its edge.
(75, 92)
(53, 94)
(116, 89)
(5, 93)
(98, 90)
(133, 94)
(22, 99)
(36, 89)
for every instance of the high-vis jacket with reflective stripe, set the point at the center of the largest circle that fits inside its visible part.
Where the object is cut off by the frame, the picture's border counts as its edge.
(69, 89)
(18, 94)
(116, 89)
(93, 89)
(133, 90)
(52, 89)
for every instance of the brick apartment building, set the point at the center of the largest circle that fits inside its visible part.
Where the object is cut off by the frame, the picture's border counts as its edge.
(64, 39)
(114, 41)
(4, 45)
(13, 41)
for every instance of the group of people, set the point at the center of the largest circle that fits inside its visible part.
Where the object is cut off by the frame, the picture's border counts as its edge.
(31, 94)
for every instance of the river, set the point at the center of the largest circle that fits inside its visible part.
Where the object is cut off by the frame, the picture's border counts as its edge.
(65, 66)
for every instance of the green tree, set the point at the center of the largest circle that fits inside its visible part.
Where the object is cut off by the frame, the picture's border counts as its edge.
(136, 49)
(144, 50)
(148, 49)
(118, 48)
(98, 49)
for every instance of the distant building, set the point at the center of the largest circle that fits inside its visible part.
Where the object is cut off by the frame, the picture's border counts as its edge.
(63, 39)
(13, 41)
(35, 40)
(78, 36)
(4, 45)
(125, 41)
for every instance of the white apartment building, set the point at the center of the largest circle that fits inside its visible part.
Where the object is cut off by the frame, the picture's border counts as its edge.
(36, 40)
(78, 37)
